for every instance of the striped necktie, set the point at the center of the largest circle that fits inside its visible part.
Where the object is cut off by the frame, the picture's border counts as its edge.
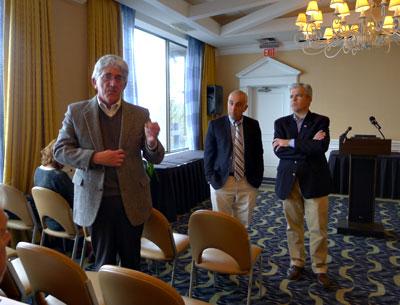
(238, 155)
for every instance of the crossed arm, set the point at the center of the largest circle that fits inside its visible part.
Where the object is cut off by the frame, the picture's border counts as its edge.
(287, 145)
(278, 143)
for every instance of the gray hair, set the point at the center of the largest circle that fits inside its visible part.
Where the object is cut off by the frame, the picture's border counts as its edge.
(307, 88)
(107, 61)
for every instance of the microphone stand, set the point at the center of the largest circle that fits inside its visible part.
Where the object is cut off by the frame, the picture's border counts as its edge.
(381, 133)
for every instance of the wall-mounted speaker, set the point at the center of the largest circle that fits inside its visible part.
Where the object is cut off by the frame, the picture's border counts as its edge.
(214, 100)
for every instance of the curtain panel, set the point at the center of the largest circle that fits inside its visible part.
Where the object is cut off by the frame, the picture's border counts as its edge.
(28, 88)
(208, 78)
(104, 32)
(1, 90)
(128, 27)
(193, 77)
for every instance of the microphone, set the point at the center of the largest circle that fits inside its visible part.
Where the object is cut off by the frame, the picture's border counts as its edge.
(343, 136)
(347, 131)
(376, 124)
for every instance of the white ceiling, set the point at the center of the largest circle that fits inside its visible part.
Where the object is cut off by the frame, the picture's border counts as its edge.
(233, 26)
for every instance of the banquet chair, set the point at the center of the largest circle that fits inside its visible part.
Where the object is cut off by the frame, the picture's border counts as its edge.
(53, 205)
(159, 243)
(56, 278)
(130, 287)
(14, 201)
(220, 243)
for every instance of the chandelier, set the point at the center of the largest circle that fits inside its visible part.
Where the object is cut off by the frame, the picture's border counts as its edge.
(378, 26)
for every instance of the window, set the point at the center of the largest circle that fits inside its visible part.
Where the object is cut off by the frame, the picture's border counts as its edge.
(160, 69)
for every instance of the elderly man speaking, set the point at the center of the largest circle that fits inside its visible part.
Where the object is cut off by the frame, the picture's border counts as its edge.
(104, 138)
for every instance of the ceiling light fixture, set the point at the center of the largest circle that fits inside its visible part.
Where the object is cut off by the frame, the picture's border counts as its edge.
(373, 29)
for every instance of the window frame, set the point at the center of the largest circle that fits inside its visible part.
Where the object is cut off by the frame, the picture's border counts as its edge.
(168, 41)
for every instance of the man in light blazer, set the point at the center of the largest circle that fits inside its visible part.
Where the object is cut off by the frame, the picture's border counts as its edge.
(236, 197)
(104, 139)
(303, 181)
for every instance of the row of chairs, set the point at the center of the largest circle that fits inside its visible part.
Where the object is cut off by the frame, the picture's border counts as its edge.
(219, 243)
(158, 243)
(48, 204)
(55, 278)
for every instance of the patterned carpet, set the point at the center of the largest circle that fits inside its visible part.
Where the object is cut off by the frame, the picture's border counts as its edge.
(364, 270)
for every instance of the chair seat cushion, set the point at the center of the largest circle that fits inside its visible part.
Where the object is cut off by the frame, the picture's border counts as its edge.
(150, 250)
(218, 261)
(17, 224)
(181, 242)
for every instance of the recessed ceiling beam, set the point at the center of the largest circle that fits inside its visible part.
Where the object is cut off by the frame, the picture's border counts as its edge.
(219, 7)
(261, 16)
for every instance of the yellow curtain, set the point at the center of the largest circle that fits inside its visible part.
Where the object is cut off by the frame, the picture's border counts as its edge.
(104, 32)
(208, 78)
(28, 88)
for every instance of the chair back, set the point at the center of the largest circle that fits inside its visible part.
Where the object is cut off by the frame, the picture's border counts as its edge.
(158, 230)
(53, 273)
(53, 205)
(212, 229)
(14, 201)
(130, 287)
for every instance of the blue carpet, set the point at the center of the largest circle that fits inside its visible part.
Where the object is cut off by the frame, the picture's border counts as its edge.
(364, 270)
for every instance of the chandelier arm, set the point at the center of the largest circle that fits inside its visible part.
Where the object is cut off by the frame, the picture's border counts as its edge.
(326, 50)
(314, 52)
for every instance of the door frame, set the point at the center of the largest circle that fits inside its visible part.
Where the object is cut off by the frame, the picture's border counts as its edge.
(265, 72)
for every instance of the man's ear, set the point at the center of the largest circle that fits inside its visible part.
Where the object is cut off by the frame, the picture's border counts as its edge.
(94, 83)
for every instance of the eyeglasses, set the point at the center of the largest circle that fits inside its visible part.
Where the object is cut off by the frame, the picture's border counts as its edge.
(109, 77)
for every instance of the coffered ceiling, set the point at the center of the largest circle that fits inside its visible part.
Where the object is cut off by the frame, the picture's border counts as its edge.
(233, 26)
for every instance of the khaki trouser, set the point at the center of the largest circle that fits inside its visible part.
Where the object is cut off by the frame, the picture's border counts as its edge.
(315, 211)
(235, 198)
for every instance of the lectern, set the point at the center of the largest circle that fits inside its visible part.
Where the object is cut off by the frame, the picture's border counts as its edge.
(362, 183)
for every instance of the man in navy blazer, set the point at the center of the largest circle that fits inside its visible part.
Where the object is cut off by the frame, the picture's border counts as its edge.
(236, 197)
(303, 181)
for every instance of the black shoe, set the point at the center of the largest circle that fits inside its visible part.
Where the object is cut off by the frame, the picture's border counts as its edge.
(294, 273)
(323, 280)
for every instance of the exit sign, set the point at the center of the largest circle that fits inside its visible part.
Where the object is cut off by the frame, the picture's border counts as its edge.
(269, 52)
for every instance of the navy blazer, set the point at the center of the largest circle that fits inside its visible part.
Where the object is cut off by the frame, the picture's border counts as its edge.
(219, 147)
(306, 161)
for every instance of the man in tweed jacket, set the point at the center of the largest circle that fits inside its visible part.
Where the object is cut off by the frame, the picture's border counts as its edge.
(104, 139)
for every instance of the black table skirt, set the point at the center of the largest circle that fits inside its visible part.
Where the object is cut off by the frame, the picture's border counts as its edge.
(387, 176)
(179, 183)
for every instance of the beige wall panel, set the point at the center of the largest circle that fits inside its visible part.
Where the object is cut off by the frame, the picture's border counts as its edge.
(70, 60)
(348, 89)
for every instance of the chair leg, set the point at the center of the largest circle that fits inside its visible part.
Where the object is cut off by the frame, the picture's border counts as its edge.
(192, 272)
(34, 232)
(249, 287)
(75, 247)
(42, 238)
(83, 252)
(173, 272)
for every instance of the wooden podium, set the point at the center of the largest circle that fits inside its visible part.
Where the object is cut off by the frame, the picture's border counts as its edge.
(362, 184)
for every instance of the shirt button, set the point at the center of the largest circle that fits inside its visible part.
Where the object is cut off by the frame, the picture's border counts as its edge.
(295, 162)
(294, 174)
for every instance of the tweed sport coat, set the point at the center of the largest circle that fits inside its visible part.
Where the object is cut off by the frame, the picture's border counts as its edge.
(80, 137)
(218, 152)
(306, 161)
